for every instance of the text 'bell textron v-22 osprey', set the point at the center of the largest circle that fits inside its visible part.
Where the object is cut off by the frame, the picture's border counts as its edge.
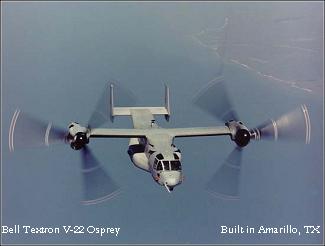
(151, 147)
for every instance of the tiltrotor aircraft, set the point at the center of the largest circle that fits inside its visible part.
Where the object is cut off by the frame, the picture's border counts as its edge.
(151, 147)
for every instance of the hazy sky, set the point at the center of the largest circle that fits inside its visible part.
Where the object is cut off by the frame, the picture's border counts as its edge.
(56, 59)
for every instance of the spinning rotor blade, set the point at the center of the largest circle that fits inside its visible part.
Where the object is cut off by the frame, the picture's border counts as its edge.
(294, 125)
(27, 131)
(215, 100)
(98, 186)
(225, 182)
(101, 114)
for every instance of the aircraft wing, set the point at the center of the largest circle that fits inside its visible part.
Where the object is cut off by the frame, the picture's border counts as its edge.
(172, 132)
(199, 131)
(117, 133)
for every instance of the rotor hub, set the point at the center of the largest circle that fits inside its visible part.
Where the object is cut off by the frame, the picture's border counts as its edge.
(239, 133)
(242, 137)
(79, 141)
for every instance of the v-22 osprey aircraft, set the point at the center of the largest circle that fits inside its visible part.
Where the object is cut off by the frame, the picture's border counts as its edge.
(151, 148)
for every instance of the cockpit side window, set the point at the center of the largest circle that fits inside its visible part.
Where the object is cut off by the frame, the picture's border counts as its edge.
(175, 165)
(155, 162)
(159, 166)
(166, 165)
(159, 156)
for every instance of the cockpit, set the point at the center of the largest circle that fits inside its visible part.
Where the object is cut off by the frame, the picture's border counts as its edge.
(169, 165)
(167, 172)
(161, 164)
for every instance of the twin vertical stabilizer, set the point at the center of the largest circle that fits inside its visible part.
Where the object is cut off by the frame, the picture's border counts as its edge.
(121, 111)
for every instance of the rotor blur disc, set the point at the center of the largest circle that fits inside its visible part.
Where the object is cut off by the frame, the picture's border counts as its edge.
(293, 126)
(28, 131)
(225, 182)
(98, 185)
(214, 99)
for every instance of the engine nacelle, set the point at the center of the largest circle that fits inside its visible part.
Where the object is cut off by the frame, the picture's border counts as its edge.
(239, 133)
(78, 136)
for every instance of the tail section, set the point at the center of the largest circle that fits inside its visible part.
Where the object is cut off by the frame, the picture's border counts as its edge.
(122, 111)
(167, 103)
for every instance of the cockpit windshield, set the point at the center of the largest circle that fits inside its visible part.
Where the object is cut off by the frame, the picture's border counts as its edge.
(173, 165)
(166, 165)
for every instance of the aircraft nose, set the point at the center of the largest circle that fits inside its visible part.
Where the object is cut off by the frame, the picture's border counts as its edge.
(171, 178)
(172, 181)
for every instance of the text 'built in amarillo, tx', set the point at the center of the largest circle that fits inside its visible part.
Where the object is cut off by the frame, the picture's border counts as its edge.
(287, 229)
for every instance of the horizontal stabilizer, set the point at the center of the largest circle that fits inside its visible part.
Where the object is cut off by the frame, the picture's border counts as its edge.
(121, 111)
(127, 110)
